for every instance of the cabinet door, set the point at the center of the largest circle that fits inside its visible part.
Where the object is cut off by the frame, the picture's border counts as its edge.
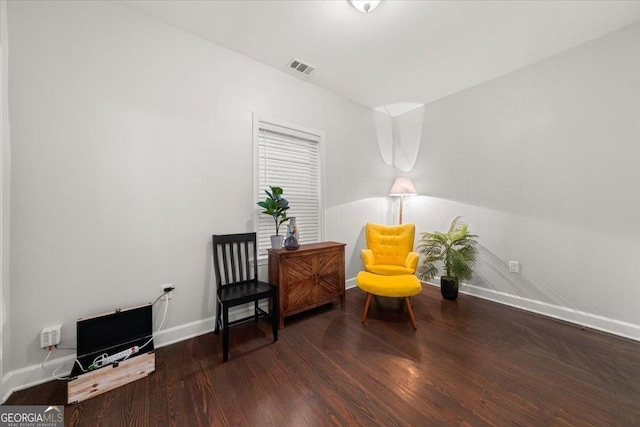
(299, 281)
(328, 270)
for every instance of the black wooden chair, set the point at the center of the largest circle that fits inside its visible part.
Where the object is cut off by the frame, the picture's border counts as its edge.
(236, 268)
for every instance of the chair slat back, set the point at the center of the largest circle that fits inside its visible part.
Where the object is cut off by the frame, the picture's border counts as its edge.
(234, 258)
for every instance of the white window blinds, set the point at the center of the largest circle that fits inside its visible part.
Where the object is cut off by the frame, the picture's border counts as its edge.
(289, 158)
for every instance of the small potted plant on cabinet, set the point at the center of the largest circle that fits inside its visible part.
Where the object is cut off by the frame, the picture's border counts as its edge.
(456, 249)
(276, 206)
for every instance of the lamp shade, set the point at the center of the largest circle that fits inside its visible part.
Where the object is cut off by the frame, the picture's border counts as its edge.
(403, 186)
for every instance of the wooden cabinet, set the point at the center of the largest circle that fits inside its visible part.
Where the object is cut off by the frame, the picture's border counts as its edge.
(308, 277)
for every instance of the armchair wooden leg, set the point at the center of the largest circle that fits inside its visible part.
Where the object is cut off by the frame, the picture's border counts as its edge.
(407, 301)
(366, 307)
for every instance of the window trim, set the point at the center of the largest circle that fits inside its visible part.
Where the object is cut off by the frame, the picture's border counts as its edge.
(262, 121)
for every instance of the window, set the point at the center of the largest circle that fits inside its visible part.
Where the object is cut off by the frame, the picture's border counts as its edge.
(288, 156)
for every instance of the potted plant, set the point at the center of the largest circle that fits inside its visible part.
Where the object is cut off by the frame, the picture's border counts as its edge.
(456, 249)
(276, 206)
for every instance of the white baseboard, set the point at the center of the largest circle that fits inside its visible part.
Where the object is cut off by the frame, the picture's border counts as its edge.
(179, 333)
(588, 320)
(33, 375)
(30, 376)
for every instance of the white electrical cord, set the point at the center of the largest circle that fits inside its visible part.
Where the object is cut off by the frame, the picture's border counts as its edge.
(80, 365)
(45, 359)
(102, 357)
(164, 315)
(55, 370)
(101, 360)
(57, 377)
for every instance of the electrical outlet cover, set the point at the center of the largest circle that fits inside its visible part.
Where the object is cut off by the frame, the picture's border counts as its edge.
(51, 336)
(514, 267)
(167, 285)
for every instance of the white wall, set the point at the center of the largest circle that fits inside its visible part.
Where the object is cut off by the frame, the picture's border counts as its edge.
(543, 164)
(4, 193)
(131, 146)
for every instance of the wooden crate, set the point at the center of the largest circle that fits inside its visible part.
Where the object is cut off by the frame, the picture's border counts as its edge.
(100, 381)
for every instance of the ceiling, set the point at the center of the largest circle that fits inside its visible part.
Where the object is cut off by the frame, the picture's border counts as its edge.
(403, 52)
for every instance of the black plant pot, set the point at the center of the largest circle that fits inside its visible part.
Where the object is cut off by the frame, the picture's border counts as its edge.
(449, 287)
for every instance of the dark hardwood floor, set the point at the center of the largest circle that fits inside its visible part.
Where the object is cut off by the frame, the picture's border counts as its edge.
(470, 362)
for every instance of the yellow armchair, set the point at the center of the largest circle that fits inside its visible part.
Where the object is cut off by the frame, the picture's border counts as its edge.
(390, 249)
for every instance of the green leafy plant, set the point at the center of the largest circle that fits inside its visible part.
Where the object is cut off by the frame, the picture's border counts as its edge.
(276, 206)
(456, 249)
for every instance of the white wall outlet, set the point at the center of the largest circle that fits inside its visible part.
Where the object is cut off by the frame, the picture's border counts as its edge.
(50, 336)
(514, 267)
(169, 295)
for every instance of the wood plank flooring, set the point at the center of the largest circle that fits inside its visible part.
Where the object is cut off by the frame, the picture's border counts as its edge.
(470, 362)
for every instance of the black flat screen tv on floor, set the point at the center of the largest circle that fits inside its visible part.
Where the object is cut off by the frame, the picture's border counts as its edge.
(111, 333)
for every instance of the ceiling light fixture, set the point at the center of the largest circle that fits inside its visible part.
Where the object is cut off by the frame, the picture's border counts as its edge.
(365, 6)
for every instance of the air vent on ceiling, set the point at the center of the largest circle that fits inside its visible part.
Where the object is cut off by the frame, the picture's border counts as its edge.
(301, 67)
